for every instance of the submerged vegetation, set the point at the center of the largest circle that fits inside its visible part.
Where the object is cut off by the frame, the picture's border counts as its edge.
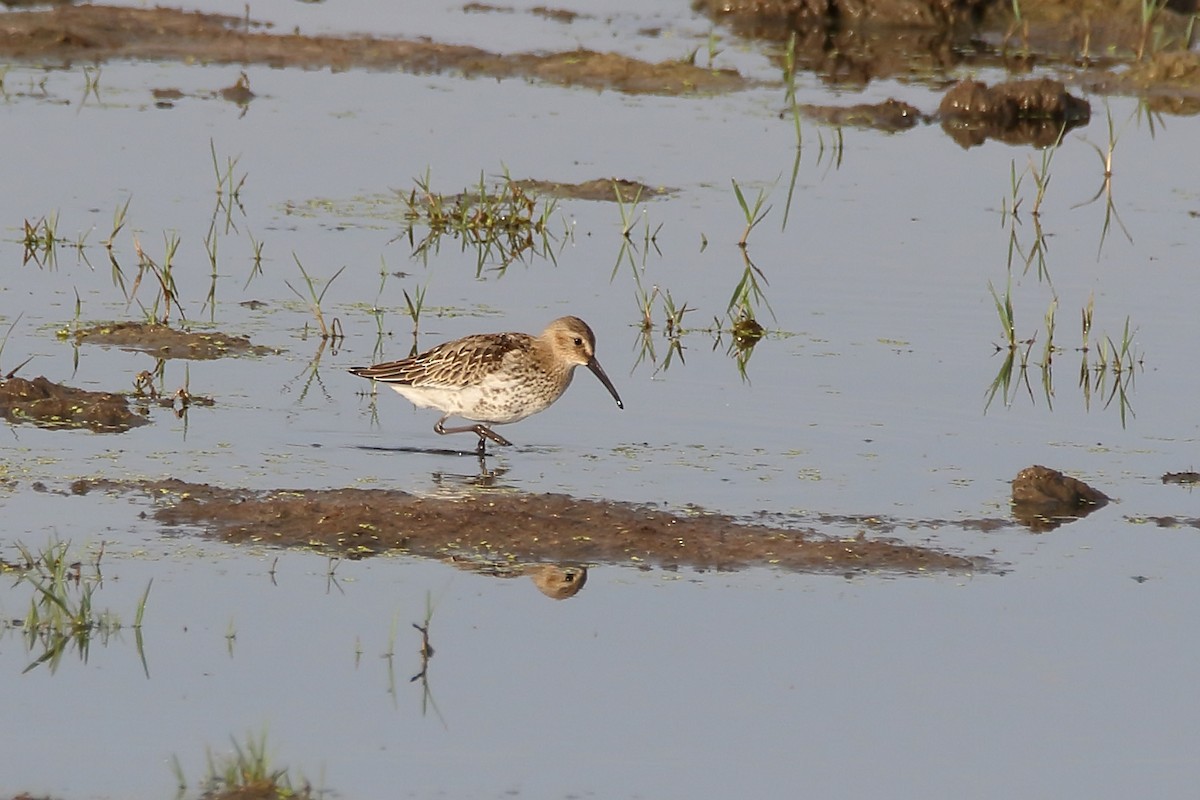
(246, 771)
(1106, 369)
(503, 223)
(1107, 366)
(61, 614)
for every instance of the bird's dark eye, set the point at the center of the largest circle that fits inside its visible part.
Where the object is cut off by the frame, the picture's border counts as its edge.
(578, 342)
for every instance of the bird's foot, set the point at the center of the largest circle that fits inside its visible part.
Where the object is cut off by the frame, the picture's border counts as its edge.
(484, 430)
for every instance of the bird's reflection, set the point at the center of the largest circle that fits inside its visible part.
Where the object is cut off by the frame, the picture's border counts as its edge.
(556, 581)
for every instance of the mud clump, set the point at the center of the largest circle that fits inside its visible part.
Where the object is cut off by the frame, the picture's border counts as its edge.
(47, 404)
(517, 529)
(1033, 112)
(891, 115)
(162, 341)
(1044, 498)
(610, 189)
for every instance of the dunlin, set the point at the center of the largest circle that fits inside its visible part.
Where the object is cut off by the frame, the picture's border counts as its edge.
(494, 378)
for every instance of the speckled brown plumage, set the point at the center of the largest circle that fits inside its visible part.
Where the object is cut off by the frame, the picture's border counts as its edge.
(494, 378)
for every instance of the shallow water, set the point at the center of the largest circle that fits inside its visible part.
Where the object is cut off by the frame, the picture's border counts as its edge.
(1062, 675)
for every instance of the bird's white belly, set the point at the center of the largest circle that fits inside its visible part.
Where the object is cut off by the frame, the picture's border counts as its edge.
(496, 400)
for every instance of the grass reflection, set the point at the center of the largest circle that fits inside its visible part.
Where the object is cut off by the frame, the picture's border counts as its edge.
(62, 614)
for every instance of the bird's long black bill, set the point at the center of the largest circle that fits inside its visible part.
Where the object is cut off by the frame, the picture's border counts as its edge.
(598, 371)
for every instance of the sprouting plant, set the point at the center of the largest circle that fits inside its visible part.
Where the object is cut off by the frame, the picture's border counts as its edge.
(210, 247)
(4, 341)
(646, 306)
(415, 307)
(331, 580)
(1041, 176)
(1010, 214)
(627, 208)
(627, 220)
(1150, 11)
(163, 274)
(1018, 22)
(1086, 320)
(744, 333)
(754, 214)
(80, 245)
(426, 652)
(40, 240)
(1011, 209)
(1106, 158)
(248, 772)
(91, 84)
(837, 148)
(229, 186)
(256, 267)
(1004, 309)
(1115, 362)
(1002, 383)
(672, 328)
(748, 293)
(119, 215)
(503, 224)
(1048, 349)
(787, 207)
(713, 49)
(789, 76)
(330, 331)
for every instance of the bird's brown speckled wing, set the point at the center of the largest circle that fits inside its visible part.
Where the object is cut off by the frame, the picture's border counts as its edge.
(451, 365)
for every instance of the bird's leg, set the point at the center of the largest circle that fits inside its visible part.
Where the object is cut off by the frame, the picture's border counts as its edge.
(480, 429)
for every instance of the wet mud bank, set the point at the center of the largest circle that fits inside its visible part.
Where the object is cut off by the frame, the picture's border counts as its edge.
(849, 42)
(516, 529)
(1125, 47)
(100, 33)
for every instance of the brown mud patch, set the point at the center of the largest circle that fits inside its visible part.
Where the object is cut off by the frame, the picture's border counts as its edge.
(163, 341)
(554, 14)
(100, 33)
(891, 115)
(518, 529)
(47, 404)
(610, 189)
